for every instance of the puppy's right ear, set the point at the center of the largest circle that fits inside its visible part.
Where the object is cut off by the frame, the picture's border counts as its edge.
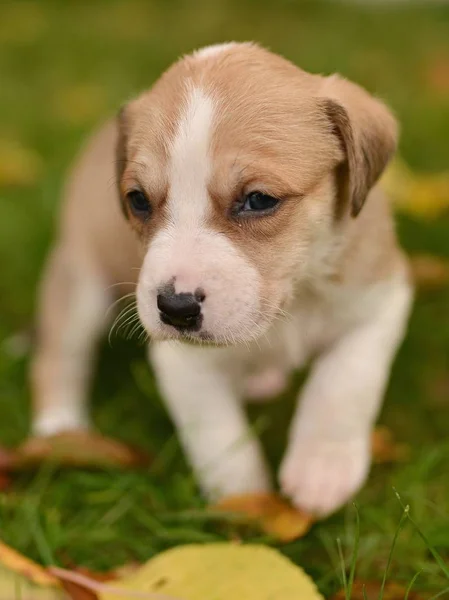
(368, 134)
(121, 152)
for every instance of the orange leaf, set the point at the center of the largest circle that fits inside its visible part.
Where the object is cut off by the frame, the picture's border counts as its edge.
(78, 449)
(274, 515)
(385, 449)
(13, 561)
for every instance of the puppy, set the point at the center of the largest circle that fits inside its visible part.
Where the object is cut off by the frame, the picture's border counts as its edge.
(246, 214)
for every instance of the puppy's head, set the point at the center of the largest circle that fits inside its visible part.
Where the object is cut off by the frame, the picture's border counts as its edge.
(235, 169)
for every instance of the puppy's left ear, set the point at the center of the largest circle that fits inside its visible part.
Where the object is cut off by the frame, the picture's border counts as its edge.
(368, 133)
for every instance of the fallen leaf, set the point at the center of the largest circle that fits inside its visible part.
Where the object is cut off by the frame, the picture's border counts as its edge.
(19, 166)
(423, 196)
(22, 578)
(429, 272)
(78, 449)
(7, 458)
(77, 586)
(274, 515)
(246, 572)
(392, 591)
(385, 449)
(5, 481)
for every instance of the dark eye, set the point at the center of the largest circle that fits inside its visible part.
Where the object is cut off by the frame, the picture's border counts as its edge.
(139, 203)
(257, 201)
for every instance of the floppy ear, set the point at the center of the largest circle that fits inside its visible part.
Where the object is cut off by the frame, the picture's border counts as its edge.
(368, 133)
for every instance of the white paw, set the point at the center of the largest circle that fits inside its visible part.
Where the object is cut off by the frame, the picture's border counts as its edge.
(59, 420)
(265, 385)
(320, 476)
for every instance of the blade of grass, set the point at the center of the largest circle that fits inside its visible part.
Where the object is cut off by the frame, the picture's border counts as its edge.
(411, 584)
(432, 550)
(355, 554)
(440, 594)
(343, 566)
(393, 545)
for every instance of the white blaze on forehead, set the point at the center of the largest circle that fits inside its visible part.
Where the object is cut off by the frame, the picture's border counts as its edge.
(190, 162)
(209, 51)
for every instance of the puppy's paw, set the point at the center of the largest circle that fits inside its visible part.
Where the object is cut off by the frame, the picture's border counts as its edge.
(59, 420)
(320, 476)
(265, 385)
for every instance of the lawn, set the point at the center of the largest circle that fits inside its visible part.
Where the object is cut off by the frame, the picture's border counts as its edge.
(64, 66)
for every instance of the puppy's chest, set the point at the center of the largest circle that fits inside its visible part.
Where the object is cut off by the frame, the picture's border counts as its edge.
(310, 326)
(314, 322)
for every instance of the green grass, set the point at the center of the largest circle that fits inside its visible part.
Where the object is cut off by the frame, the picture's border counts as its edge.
(104, 519)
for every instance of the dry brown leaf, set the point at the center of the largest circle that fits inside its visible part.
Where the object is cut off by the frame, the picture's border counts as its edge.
(5, 482)
(7, 458)
(385, 449)
(78, 449)
(274, 515)
(392, 591)
(19, 166)
(428, 271)
(76, 585)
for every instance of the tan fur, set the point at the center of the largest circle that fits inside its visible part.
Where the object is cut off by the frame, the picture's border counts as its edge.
(327, 257)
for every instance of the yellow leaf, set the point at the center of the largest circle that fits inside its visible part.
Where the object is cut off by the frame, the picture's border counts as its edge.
(424, 196)
(22, 578)
(19, 166)
(275, 516)
(221, 571)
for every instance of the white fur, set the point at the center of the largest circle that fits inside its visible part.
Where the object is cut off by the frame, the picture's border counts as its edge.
(328, 456)
(189, 168)
(200, 395)
(189, 253)
(65, 401)
(214, 50)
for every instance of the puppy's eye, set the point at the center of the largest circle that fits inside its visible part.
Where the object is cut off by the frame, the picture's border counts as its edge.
(139, 203)
(258, 202)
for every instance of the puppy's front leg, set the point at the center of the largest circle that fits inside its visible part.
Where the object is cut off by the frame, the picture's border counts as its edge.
(200, 396)
(72, 317)
(329, 452)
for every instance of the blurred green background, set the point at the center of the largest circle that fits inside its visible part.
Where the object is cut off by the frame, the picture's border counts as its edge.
(67, 65)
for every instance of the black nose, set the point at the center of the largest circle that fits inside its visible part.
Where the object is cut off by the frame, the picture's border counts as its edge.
(182, 311)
